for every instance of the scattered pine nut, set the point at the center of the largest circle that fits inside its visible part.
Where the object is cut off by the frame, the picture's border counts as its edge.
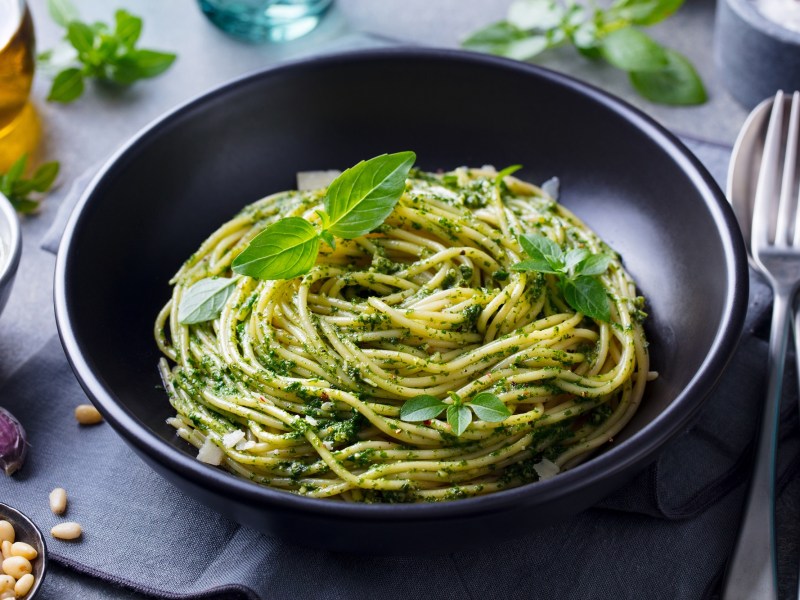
(58, 501)
(24, 584)
(66, 531)
(24, 550)
(17, 566)
(86, 414)
(7, 531)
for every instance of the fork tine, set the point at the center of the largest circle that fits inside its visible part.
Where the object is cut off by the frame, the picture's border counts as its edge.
(767, 179)
(794, 133)
(787, 204)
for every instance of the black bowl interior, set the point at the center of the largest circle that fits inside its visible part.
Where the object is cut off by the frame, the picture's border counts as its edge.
(627, 178)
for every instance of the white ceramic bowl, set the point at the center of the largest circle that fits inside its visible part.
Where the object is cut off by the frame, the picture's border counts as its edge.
(10, 248)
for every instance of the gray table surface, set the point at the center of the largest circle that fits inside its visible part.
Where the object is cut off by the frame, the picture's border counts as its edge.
(84, 134)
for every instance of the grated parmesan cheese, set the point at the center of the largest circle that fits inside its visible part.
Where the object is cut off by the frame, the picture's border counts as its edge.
(210, 453)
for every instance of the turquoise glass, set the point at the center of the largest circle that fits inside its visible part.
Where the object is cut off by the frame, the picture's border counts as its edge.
(265, 20)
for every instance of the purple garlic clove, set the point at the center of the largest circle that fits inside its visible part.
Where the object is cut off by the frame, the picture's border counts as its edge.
(13, 442)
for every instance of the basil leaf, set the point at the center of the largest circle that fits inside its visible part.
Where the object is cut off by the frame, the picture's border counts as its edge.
(361, 198)
(540, 15)
(676, 84)
(458, 417)
(538, 265)
(421, 408)
(141, 64)
(62, 11)
(128, 28)
(67, 86)
(23, 205)
(205, 299)
(44, 176)
(575, 257)
(15, 172)
(645, 12)
(328, 239)
(284, 250)
(588, 296)
(498, 179)
(539, 247)
(81, 36)
(631, 50)
(505, 39)
(488, 407)
(595, 264)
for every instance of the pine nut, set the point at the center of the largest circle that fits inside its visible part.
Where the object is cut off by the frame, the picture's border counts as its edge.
(8, 595)
(24, 584)
(24, 550)
(86, 414)
(7, 531)
(58, 501)
(66, 531)
(5, 549)
(6, 582)
(16, 566)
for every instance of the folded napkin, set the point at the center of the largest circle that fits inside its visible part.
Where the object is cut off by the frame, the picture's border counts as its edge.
(666, 534)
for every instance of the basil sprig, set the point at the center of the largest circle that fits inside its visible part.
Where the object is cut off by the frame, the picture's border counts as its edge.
(657, 73)
(486, 406)
(576, 271)
(356, 202)
(18, 189)
(100, 51)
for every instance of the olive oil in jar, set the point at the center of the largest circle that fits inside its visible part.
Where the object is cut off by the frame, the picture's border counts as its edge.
(19, 125)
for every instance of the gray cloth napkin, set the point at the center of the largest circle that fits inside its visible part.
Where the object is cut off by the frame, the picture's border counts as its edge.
(666, 534)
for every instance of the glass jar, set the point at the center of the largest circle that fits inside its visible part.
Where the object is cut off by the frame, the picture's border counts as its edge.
(19, 125)
(265, 20)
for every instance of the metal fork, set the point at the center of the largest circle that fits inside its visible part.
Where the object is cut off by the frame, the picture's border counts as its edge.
(775, 244)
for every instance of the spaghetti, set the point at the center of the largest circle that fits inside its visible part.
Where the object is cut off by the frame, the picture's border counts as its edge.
(298, 384)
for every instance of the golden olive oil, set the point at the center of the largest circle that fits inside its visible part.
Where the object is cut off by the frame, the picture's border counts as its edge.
(19, 126)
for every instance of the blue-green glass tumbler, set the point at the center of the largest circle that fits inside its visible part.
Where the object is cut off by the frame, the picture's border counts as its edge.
(265, 20)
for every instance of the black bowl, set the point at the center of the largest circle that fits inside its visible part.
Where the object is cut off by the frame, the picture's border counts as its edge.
(27, 531)
(161, 195)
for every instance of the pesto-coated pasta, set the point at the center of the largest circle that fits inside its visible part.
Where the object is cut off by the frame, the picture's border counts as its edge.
(298, 384)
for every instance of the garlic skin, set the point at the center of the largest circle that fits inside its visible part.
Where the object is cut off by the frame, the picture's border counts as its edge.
(13, 443)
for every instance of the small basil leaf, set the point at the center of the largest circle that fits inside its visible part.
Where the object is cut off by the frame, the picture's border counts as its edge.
(284, 250)
(574, 257)
(44, 176)
(631, 50)
(128, 28)
(505, 39)
(596, 264)
(141, 64)
(551, 187)
(204, 300)
(361, 198)
(645, 12)
(81, 36)
(421, 408)
(67, 86)
(16, 170)
(328, 238)
(62, 11)
(676, 84)
(539, 15)
(488, 407)
(588, 296)
(498, 179)
(539, 265)
(458, 417)
(540, 247)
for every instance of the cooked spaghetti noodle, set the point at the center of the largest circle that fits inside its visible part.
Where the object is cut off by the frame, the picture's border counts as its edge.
(298, 383)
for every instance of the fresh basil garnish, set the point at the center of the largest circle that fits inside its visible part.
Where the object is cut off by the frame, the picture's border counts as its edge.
(285, 249)
(486, 406)
(205, 299)
(576, 271)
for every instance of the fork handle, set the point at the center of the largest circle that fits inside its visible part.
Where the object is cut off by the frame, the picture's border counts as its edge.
(751, 572)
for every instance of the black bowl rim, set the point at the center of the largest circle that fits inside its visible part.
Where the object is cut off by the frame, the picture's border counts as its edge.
(613, 462)
(40, 542)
